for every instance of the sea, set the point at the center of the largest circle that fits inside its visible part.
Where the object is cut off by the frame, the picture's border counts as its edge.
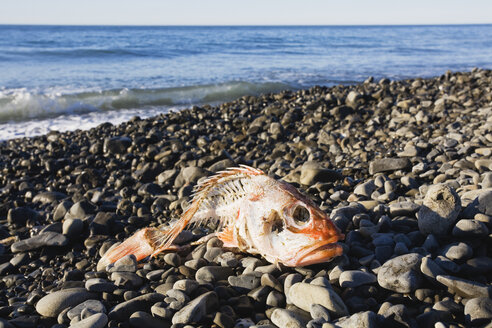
(77, 77)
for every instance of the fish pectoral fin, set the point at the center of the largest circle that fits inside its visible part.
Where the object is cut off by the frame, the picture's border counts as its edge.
(227, 237)
(140, 245)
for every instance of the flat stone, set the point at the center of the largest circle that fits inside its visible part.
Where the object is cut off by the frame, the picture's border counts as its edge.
(439, 210)
(313, 172)
(72, 227)
(126, 279)
(356, 278)
(287, 319)
(478, 311)
(93, 306)
(122, 311)
(401, 274)
(303, 295)
(52, 304)
(367, 319)
(98, 320)
(389, 164)
(405, 208)
(48, 197)
(99, 285)
(127, 263)
(186, 285)
(209, 274)
(470, 228)
(196, 309)
(245, 281)
(48, 238)
(465, 288)
(458, 251)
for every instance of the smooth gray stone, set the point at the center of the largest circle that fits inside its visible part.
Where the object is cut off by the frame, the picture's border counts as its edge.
(367, 319)
(458, 251)
(186, 285)
(389, 164)
(122, 311)
(286, 318)
(470, 228)
(401, 274)
(303, 295)
(356, 278)
(47, 197)
(210, 274)
(49, 238)
(478, 310)
(99, 285)
(52, 304)
(439, 210)
(196, 309)
(93, 306)
(127, 263)
(98, 320)
(465, 288)
(430, 269)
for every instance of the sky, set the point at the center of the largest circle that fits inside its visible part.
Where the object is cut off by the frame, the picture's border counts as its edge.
(245, 12)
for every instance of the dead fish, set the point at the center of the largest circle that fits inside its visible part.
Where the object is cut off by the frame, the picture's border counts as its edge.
(255, 213)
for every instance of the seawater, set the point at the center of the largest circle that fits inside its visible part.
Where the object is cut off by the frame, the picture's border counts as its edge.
(76, 77)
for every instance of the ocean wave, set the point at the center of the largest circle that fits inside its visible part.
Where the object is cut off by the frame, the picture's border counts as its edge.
(22, 104)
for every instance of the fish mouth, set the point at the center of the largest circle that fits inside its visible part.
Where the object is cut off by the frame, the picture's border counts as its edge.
(318, 253)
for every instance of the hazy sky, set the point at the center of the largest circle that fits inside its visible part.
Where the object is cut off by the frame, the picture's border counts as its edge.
(246, 12)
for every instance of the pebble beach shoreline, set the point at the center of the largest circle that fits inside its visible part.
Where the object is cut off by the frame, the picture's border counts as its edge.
(404, 168)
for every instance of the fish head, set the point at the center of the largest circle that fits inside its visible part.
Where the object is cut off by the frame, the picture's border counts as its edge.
(300, 232)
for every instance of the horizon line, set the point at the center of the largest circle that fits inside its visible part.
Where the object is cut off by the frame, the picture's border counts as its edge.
(248, 25)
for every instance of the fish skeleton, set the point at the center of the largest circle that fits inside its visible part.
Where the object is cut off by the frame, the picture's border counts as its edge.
(255, 213)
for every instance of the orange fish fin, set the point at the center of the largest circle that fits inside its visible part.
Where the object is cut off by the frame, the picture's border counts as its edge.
(227, 237)
(140, 245)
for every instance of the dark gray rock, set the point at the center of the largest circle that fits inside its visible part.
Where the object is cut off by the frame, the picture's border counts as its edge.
(195, 310)
(45, 239)
(389, 164)
(117, 145)
(122, 311)
(141, 319)
(208, 274)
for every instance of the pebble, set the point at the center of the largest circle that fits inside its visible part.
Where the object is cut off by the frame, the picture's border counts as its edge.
(401, 274)
(92, 306)
(196, 309)
(52, 304)
(389, 164)
(465, 288)
(127, 263)
(478, 311)
(98, 320)
(367, 319)
(99, 285)
(303, 295)
(439, 210)
(318, 311)
(122, 311)
(186, 285)
(126, 279)
(286, 318)
(470, 228)
(209, 274)
(49, 238)
(356, 278)
(458, 251)
(245, 281)
(72, 227)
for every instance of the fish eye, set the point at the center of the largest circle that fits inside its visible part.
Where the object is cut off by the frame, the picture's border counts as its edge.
(301, 215)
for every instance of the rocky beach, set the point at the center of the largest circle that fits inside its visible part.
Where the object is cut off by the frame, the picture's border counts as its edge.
(403, 168)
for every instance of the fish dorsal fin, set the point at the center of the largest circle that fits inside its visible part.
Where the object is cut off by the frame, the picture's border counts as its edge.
(226, 186)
